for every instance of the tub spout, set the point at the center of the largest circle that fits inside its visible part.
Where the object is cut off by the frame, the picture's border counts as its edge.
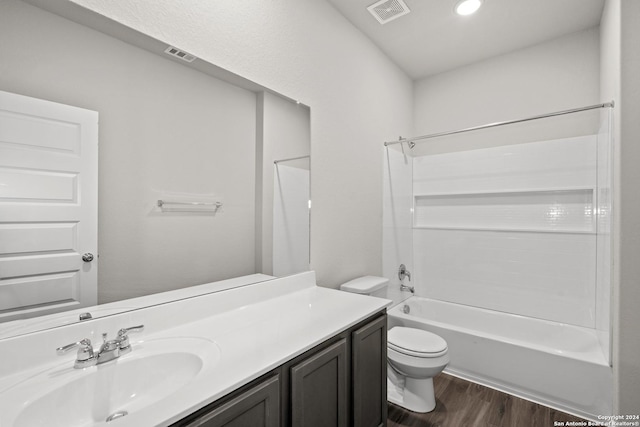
(407, 288)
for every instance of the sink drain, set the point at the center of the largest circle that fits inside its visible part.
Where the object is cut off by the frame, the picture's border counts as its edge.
(117, 415)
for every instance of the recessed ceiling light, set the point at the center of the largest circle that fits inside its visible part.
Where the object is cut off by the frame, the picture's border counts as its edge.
(467, 7)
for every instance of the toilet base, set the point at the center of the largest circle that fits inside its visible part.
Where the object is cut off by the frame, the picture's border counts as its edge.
(417, 396)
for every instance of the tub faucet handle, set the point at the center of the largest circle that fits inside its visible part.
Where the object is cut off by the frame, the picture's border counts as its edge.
(403, 272)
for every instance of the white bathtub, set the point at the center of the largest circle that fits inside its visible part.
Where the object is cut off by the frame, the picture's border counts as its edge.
(554, 364)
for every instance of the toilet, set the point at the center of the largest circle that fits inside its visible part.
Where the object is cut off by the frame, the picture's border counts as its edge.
(414, 356)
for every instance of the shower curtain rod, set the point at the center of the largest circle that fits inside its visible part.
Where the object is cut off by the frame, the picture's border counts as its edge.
(292, 158)
(491, 125)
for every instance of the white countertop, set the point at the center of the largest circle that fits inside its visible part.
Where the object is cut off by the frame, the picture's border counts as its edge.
(256, 328)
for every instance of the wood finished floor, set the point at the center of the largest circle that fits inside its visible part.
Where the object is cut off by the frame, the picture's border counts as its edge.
(461, 403)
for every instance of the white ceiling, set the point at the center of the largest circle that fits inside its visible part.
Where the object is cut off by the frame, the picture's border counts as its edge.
(432, 38)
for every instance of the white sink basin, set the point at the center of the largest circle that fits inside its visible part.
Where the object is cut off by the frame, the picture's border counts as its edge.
(151, 373)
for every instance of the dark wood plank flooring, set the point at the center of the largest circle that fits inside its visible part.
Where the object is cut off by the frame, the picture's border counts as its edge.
(461, 403)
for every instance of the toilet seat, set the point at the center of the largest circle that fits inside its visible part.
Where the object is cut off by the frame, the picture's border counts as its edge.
(416, 342)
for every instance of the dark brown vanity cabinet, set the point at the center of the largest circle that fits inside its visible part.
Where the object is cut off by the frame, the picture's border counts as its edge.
(258, 405)
(319, 388)
(341, 382)
(369, 374)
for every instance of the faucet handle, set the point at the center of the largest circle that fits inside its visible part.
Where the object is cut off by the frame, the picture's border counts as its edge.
(403, 272)
(124, 331)
(85, 357)
(123, 336)
(85, 347)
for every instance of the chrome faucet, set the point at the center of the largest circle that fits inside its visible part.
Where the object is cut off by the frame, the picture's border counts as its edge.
(407, 288)
(109, 350)
(403, 272)
(85, 357)
(123, 338)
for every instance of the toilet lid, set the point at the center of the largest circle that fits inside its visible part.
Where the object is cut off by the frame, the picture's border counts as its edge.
(412, 340)
(365, 285)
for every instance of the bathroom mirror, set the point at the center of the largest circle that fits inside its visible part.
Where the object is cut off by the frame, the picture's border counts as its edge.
(200, 172)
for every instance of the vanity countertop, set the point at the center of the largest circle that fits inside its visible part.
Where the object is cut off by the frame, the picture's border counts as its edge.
(249, 330)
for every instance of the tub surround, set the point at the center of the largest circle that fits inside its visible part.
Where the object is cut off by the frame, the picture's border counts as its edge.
(511, 228)
(508, 236)
(256, 329)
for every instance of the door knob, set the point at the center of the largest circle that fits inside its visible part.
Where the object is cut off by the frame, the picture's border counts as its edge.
(87, 257)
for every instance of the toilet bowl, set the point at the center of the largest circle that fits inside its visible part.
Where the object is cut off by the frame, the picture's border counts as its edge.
(414, 356)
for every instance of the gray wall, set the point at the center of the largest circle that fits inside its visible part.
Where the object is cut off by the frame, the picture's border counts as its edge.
(552, 76)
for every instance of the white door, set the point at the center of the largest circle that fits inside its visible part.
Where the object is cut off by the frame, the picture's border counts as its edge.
(48, 207)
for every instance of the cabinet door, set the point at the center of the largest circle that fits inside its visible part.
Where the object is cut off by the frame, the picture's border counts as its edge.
(369, 374)
(319, 389)
(257, 407)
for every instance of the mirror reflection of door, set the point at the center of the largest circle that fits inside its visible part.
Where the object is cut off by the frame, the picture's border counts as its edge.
(48, 207)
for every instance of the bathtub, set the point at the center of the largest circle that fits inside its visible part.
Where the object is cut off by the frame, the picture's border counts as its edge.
(557, 365)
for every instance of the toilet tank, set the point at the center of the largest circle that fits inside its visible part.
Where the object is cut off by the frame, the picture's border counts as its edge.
(365, 285)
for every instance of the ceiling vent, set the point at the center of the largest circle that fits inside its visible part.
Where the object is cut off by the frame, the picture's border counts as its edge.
(181, 54)
(387, 10)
